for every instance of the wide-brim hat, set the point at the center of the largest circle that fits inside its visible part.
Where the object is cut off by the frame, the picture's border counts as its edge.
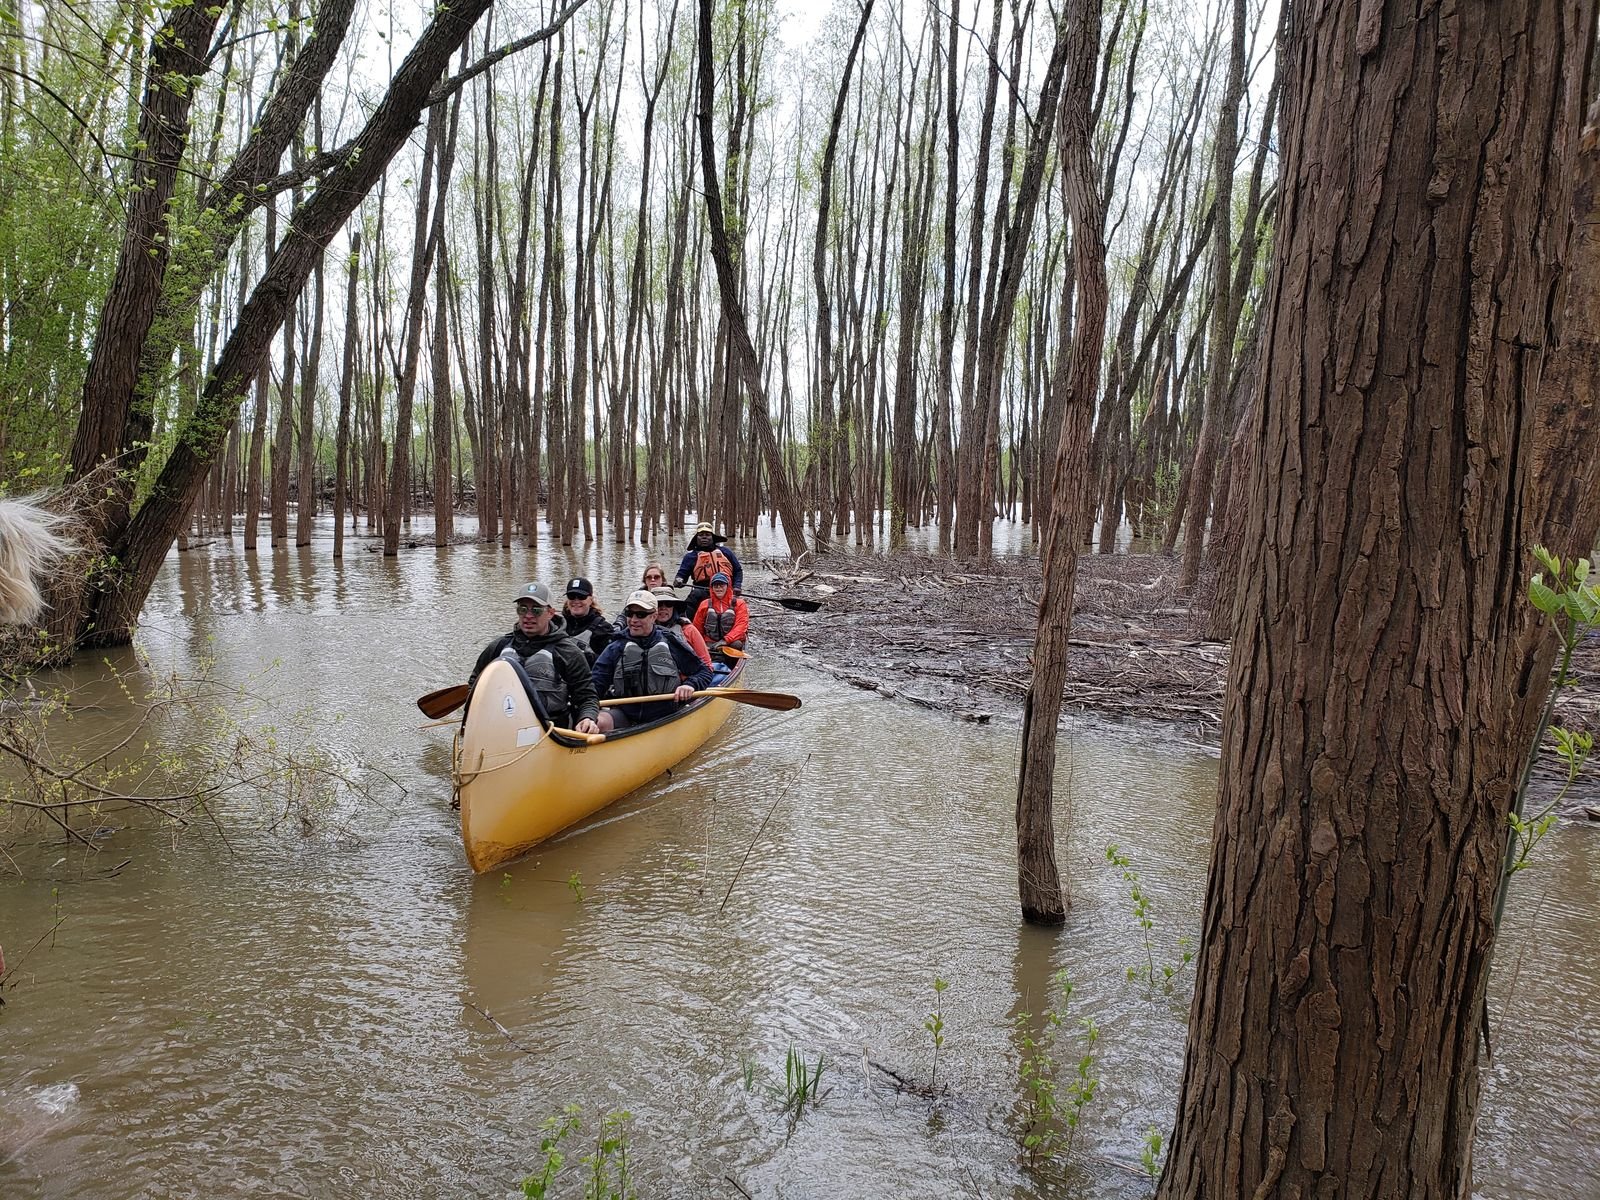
(666, 595)
(707, 527)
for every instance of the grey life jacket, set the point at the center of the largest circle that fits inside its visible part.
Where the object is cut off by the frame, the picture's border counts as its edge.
(583, 640)
(719, 624)
(547, 681)
(645, 673)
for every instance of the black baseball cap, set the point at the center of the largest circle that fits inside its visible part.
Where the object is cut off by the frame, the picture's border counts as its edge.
(579, 587)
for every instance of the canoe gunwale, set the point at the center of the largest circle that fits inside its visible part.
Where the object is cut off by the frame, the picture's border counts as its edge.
(729, 680)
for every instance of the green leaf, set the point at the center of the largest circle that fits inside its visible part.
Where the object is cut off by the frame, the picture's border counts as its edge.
(1542, 597)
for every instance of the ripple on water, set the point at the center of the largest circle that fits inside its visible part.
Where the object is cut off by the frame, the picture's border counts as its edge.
(299, 1020)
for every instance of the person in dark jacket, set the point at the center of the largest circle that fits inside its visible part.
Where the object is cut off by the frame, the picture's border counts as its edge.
(586, 624)
(646, 663)
(706, 556)
(553, 665)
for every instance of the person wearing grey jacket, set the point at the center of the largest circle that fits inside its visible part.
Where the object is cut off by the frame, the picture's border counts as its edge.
(551, 664)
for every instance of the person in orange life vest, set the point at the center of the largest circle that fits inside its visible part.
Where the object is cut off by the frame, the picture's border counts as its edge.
(704, 558)
(671, 621)
(723, 618)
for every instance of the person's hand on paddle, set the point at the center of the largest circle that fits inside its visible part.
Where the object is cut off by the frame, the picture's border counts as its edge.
(587, 726)
(684, 694)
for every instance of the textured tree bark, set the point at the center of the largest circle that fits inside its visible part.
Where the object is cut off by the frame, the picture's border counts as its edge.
(1067, 513)
(177, 60)
(1379, 688)
(1567, 476)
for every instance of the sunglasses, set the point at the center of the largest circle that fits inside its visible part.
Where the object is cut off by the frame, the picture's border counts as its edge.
(639, 614)
(576, 596)
(534, 609)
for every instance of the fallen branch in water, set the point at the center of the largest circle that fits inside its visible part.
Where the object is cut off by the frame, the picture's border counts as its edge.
(503, 1030)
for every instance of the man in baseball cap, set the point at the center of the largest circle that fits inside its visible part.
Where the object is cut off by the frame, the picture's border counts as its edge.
(646, 662)
(552, 664)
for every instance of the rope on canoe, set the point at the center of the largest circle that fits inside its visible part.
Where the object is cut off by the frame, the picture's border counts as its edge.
(463, 778)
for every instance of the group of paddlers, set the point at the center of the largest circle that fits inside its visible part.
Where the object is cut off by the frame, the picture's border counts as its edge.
(663, 644)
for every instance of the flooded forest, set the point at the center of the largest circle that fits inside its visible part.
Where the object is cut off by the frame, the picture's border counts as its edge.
(1132, 468)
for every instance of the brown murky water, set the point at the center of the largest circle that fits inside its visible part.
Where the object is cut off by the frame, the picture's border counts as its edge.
(302, 1017)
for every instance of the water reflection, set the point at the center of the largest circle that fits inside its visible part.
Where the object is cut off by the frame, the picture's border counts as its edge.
(293, 1017)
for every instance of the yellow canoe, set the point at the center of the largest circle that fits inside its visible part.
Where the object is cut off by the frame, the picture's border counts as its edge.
(519, 784)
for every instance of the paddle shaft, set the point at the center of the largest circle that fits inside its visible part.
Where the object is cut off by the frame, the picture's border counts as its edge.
(781, 701)
(790, 602)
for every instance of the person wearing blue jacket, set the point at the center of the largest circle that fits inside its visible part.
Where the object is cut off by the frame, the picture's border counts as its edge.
(645, 662)
(706, 556)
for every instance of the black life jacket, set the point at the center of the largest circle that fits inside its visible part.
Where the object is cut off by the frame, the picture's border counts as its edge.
(547, 681)
(652, 672)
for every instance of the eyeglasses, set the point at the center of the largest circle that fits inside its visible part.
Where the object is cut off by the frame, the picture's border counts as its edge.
(639, 614)
(530, 609)
(576, 596)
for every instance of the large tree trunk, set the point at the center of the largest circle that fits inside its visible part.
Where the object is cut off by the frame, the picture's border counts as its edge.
(1067, 510)
(150, 534)
(177, 61)
(944, 435)
(742, 349)
(1381, 690)
(828, 431)
(1224, 310)
(347, 372)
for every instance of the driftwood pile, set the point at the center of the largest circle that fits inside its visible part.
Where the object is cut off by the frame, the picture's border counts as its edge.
(947, 637)
(956, 639)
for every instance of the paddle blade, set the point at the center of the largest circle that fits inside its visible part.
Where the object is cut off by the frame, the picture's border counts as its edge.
(793, 602)
(777, 701)
(443, 702)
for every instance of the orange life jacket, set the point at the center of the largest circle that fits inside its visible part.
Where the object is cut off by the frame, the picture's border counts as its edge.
(708, 563)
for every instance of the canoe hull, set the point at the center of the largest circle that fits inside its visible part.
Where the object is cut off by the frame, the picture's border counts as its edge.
(519, 786)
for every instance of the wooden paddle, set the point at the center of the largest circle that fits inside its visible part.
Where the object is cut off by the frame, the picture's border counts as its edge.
(793, 602)
(444, 701)
(777, 701)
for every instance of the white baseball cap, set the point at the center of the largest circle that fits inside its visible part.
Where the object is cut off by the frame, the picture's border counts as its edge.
(643, 598)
